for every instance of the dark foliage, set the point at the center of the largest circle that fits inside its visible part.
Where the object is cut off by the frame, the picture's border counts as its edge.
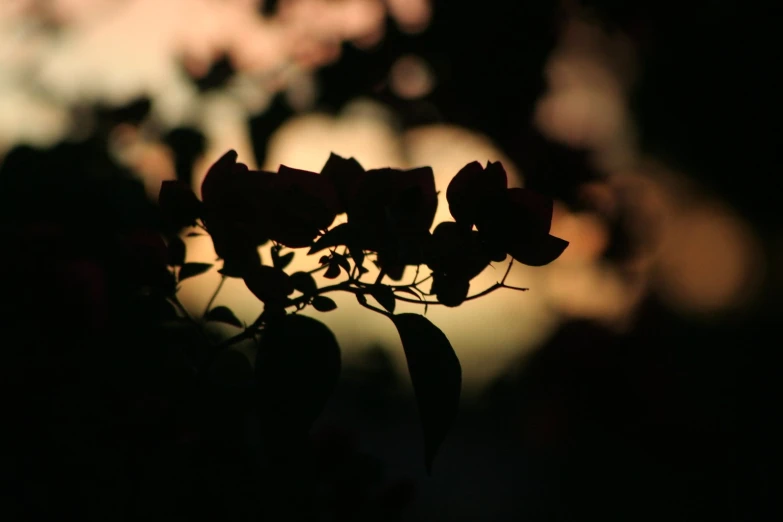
(389, 216)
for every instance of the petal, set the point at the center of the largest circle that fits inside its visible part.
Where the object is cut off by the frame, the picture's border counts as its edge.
(538, 250)
(456, 252)
(345, 175)
(474, 190)
(210, 187)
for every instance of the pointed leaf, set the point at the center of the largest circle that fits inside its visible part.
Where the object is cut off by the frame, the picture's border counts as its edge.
(178, 203)
(323, 303)
(385, 296)
(436, 375)
(343, 262)
(362, 299)
(192, 270)
(296, 371)
(357, 254)
(223, 314)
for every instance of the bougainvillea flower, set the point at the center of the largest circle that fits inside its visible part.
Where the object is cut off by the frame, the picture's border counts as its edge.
(455, 256)
(475, 190)
(345, 175)
(390, 211)
(291, 206)
(509, 221)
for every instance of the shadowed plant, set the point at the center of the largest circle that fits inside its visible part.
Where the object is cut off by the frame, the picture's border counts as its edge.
(390, 215)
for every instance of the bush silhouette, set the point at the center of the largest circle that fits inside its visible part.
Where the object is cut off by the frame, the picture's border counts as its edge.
(389, 216)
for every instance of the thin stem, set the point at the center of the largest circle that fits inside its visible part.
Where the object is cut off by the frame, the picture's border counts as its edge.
(214, 294)
(316, 270)
(374, 309)
(487, 291)
(508, 270)
(179, 306)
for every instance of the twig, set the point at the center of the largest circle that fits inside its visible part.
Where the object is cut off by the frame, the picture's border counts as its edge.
(487, 291)
(214, 294)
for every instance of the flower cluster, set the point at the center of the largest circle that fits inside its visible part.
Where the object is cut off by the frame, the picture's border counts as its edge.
(390, 216)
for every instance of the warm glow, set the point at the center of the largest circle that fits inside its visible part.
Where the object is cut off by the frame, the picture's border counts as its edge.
(487, 333)
(411, 77)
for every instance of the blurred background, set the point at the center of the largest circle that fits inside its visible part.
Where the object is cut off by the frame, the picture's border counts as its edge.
(610, 391)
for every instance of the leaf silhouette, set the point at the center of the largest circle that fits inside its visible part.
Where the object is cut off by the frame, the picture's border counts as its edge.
(342, 261)
(304, 282)
(192, 270)
(333, 271)
(223, 314)
(385, 296)
(270, 285)
(323, 303)
(176, 251)
(279, 261)
(436, 375)
(297, 368)
(539, 251)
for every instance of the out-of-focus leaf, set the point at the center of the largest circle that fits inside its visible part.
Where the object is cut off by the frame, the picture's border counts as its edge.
(385, 296)
(279, 261)
(323, 303)
(192, 270)
(333, 271)
(436, 375)
(304, 282)
(176, 251)
(231, 368)
(297, 368)
(270, 285)
(223, 314)
(357, 254)
(178, 203)
(361, 298)
(343, 262)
